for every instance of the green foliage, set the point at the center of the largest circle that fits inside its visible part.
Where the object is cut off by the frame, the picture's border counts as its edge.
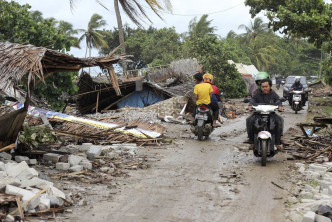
(57, 86)
(327, 70)
(19, 25)
(201, 27)
(149, 47)
(36, 136)
(211, 53)
(309, 19)
(93, 37)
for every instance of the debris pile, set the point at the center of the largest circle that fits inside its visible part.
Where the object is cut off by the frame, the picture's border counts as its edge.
(317, 149)
(323, 91)
(313, 198)
(25, 192)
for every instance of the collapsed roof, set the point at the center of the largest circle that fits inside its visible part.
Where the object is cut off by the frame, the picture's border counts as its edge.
(32, 64)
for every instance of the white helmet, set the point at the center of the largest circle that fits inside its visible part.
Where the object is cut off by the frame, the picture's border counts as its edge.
(297, 78)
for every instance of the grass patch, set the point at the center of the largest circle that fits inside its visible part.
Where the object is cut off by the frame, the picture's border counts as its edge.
(313, 183)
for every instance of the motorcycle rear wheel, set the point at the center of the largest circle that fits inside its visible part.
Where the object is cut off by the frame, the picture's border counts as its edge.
(200, 135)
(264, 147)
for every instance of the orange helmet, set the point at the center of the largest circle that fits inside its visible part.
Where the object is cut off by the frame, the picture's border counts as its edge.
(208, 78)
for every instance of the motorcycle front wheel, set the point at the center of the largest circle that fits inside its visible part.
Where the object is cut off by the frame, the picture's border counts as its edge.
(264, 147)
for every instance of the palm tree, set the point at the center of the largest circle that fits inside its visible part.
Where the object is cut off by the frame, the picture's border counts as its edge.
(255, 28)
(262, 53)
(92, 36)
(67, 28)
(201, 27)
(135, 12)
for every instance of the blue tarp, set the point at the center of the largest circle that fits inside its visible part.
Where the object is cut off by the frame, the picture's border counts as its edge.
(141, 99)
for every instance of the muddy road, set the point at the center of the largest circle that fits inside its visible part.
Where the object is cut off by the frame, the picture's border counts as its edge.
(212, 180)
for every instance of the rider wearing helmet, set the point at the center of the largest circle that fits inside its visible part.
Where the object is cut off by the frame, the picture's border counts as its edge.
(254, 88)
(208, 78)
(297, 86)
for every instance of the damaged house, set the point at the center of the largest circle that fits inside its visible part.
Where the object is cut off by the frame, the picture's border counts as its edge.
(31, 64)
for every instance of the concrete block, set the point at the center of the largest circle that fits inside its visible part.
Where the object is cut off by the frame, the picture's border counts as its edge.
(320, 218)
(298, 165)
(85, 146)
(301, 169)
(32, 162)
(325, 191)
(2, 166)
(325, 184)
(76, 168)
(86, 165)
(57, 193)
(317, 167)
(56, 202)
(112, 155)
(62, 166)
(21, 158)
(25, 194)
(52, 157)
(45, 203)
(3, 174)
(330, 190)
(74, 160)
(14, 169)
(9, 181)
(309, 217)
(5, 156)
(36, 182)
(27, 174)
(94, 151)
(311, 175)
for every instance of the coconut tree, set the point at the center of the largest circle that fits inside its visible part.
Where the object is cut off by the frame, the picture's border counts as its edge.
(255, 28)
(201, 27)
(135, 11)
(93, 36)
(262, 53)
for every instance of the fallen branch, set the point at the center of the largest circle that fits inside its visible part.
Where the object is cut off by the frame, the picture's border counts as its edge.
(9, 147)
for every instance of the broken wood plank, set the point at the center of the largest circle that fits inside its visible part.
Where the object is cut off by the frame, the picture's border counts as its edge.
(9, 147)
(27, 202)
(114, 103)
(19, 206)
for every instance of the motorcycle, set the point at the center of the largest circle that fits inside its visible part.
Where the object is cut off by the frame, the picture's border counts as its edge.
(264, 126)
(203, 123)
(296, 100)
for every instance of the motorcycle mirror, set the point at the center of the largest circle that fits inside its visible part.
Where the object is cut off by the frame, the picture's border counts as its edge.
(246, 100)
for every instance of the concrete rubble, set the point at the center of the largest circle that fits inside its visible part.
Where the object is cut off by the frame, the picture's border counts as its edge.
(20, 180)
(314, 200)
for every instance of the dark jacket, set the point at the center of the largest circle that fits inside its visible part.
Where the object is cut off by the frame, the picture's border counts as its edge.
(297, 87)
(271, 98)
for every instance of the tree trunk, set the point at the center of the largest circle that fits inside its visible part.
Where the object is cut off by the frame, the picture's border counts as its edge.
(121, 35)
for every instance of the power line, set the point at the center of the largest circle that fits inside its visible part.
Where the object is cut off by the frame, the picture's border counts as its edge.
(209, 13)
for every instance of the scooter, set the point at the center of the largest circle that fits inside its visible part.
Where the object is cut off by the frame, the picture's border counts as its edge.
(203, 123)
(297, 100)
(264, 126)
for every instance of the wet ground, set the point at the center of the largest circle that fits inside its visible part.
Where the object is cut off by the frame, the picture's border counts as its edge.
(213, 180)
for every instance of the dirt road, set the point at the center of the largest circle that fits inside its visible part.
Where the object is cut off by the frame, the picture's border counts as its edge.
(212, 180)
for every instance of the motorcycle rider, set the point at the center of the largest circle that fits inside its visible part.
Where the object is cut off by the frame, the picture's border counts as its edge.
(267, 96)
(208, 78)
(254, 87)
(297, 86)
(203, 94)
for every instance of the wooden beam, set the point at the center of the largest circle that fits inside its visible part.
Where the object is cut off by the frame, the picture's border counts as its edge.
(62, 67)
(9, 147)
(97, 104)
